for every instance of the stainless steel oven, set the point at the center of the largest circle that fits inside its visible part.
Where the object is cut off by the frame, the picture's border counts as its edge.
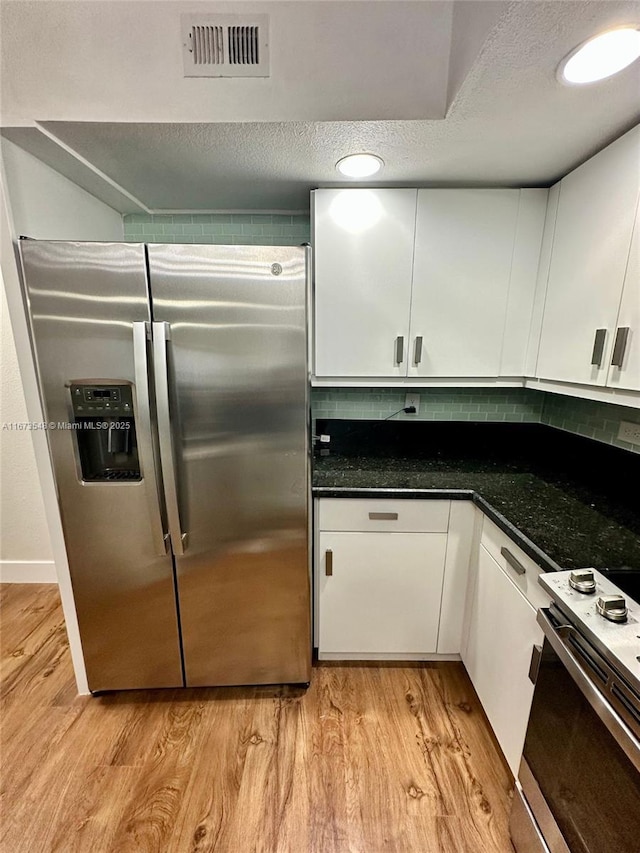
(578, 787)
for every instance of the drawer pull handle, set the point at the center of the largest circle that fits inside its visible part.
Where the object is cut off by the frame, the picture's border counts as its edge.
(328, 562)
(383, 516)
(515, 564)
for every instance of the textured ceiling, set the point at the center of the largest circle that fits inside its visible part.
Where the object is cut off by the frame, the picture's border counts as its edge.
(104, 60)
(510, 123)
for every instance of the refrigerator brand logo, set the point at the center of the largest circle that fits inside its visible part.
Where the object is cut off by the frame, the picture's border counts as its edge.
(276, 269)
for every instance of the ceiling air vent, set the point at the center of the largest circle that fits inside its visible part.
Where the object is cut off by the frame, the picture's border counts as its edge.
(225, 45)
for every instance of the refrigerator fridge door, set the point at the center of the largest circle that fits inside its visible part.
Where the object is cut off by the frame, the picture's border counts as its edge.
(231, 378)
(90, 318)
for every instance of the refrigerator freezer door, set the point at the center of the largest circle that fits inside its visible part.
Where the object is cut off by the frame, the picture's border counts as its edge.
(237, 376)
(86, 303)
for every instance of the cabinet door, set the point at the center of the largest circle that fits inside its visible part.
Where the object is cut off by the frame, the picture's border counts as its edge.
(502, 633)
(464, 247)
(383, 596)
(363, 242)
(464, 522)
(626, 372)
(588, 261)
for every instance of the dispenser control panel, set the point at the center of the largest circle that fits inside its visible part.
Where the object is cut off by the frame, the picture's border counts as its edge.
(90, 401)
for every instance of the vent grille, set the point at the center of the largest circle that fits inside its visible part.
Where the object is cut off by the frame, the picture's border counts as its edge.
(207, 45)
(243, 45)
(225, 45)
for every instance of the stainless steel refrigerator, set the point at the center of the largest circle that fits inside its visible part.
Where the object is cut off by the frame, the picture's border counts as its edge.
(174, 380)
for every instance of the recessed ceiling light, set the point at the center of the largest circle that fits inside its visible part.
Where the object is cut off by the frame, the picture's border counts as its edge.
(359, 165)
(601, 56)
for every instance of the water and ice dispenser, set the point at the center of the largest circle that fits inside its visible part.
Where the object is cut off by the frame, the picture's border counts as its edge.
(105, 431)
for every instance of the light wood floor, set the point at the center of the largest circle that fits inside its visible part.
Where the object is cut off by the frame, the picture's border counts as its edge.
(369, 759)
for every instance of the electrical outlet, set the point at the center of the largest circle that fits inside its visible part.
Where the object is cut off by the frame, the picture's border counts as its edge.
(629, 432)
(412, 400)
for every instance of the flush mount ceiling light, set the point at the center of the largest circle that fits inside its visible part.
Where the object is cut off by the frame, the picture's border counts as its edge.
(359, 165)
(601, 56)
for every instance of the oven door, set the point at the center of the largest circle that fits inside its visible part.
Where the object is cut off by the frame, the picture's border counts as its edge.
(579, 780)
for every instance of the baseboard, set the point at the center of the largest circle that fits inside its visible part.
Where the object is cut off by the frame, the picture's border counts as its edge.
(389, 656)
(27, 571)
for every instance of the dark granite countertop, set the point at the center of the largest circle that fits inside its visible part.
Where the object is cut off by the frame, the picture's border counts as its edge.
(564, 501)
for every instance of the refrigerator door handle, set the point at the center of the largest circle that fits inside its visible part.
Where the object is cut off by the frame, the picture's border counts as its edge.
(141, 335)
(161, 337)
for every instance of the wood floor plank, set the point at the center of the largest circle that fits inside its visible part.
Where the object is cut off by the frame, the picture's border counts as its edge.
(463, 792)
(149, 817)
(371, 759)
(207, 821)
(41, 673)
(92, 808)
(21, 612)
(386, 740)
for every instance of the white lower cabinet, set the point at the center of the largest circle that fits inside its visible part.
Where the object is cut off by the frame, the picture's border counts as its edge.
(379, 593)
(391, 577)
(502, 632)
(380, 567)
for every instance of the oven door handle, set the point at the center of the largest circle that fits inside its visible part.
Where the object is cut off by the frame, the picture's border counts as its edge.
(598, 701)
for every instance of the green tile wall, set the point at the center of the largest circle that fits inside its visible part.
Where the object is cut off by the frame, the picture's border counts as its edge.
(242, 229)
(600, 421)
(517, 405)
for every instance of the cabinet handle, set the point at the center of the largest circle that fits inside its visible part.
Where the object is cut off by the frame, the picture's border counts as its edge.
(383, 516)
(417, 356)
(515, 564)
(620, 345)
(328, 562)
(399, 349)
(534, 666)
(598, 347)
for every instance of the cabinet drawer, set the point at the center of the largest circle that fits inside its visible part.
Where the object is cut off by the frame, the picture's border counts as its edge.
(512, 560)
(375, 515)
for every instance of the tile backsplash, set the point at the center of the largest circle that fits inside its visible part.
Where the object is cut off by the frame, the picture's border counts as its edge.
(242, 229)
(518, 405)
(599, 421)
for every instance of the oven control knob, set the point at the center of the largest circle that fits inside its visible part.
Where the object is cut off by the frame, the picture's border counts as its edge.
(612, 607)
(583, 580)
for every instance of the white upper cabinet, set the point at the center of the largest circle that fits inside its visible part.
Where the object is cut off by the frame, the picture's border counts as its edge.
(442, 292)
(363, 242)
(624, 368)
(462, 265)
(589, 260)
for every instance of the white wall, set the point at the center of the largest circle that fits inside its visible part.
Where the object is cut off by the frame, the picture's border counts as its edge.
(43, 204)
(37, 201)
(25, 548)
(46, 205)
